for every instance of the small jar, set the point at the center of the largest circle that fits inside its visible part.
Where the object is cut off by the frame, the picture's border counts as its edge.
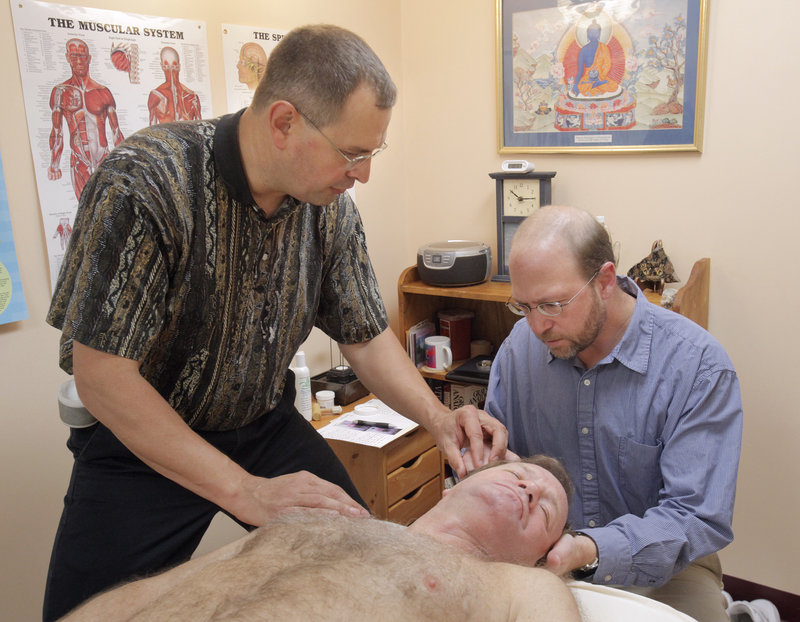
(325, 399)
(362, 410)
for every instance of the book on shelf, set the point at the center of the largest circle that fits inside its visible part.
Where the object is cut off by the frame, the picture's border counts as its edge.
(415, 340)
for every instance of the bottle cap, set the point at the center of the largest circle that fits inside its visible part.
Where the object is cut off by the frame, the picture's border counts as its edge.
(300, 359)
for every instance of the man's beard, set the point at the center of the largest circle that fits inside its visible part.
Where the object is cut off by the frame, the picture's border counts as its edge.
(587, 335)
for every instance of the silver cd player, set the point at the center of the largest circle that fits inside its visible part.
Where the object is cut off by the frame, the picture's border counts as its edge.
(454, 263)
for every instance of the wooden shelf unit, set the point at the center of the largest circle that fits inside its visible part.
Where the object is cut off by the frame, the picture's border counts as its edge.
(418, 301)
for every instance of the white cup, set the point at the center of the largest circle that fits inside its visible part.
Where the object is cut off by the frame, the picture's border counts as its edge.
(438, 355)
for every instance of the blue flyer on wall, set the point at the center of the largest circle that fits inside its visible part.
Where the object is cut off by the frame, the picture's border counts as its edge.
(12, 300)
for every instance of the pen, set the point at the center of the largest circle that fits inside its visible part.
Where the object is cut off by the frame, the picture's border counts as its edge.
(374, 424)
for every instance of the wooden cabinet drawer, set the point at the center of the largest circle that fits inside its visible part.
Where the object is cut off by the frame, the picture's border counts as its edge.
(408, 509)
(407, 448)
(406, 474)
(411, 475)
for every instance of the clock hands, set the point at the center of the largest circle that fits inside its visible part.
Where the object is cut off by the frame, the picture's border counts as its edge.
(521, 199)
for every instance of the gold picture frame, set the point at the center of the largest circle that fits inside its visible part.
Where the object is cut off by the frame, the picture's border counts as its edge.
(579, 76)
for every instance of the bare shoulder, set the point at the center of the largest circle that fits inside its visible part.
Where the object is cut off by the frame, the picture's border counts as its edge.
(531, 594)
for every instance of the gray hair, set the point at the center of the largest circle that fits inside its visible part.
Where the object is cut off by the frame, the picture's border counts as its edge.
(316, 68)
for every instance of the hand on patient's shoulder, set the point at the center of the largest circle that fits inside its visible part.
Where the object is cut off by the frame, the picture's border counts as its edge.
(261, 499)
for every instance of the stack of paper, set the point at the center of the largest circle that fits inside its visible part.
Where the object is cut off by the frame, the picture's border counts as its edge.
(375, 430)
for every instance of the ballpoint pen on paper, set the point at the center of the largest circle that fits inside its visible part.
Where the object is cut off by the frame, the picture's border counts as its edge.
(373, 424)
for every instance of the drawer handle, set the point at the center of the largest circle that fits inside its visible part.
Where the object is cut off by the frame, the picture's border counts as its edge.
(412, 462)
(414, 493)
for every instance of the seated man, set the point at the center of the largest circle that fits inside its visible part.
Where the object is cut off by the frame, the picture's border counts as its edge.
(453, 562)
(640, 403)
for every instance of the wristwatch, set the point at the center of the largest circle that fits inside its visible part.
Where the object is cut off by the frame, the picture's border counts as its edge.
(587, 570)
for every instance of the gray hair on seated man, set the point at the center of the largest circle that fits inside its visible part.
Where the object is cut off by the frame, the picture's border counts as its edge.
(469, 556)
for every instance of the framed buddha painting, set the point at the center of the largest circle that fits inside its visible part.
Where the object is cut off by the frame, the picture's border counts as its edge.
(606, 76)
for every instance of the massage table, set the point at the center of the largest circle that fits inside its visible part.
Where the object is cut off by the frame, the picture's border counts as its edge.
(599, 603)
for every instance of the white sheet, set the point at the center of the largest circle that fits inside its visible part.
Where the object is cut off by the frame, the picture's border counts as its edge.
(598, 603)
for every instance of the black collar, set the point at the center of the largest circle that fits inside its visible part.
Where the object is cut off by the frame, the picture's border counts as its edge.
(228, 157)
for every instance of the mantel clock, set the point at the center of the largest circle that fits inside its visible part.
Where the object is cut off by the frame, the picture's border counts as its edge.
(518, 196)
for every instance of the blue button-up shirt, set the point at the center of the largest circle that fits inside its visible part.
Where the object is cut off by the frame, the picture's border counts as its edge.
(651, 436)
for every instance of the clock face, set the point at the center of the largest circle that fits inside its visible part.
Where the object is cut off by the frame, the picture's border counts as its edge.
(520, 197)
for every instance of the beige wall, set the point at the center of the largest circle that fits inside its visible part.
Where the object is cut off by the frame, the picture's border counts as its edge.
(731, 203)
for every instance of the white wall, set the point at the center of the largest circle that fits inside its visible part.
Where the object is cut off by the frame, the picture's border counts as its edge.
(733, 202)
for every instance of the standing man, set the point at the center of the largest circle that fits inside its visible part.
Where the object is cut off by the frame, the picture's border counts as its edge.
(171, 100)
(640, 403)
(203, 254)
(85, 105)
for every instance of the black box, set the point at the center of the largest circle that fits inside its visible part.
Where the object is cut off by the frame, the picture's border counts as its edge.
(345, 386)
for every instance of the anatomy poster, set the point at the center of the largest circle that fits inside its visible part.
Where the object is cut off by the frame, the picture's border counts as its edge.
(12, 300)
(91, 77)
(244, 52)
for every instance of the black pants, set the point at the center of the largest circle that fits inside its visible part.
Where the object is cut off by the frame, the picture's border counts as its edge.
(122, 520)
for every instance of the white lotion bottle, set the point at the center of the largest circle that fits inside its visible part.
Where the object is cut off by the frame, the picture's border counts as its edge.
(302, 384)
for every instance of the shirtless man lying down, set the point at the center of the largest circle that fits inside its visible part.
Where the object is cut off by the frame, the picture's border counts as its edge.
(469, 557)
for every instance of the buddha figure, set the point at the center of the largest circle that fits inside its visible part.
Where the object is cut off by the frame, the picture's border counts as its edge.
(594, 66)
(593, 54)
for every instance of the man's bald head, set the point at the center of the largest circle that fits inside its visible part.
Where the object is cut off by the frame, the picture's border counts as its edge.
(575, 230)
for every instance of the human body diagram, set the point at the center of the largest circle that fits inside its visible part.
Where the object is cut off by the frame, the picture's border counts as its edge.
(85, 105)
(171, 100)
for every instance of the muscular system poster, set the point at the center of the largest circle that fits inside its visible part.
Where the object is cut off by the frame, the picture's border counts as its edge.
(91, 77)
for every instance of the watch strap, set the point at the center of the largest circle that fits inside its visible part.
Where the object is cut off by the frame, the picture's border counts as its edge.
(587, 570)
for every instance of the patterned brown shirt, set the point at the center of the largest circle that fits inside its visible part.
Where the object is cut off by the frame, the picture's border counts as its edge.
(172, 263)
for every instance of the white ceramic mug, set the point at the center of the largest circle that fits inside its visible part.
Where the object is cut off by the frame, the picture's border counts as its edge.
(438, 355)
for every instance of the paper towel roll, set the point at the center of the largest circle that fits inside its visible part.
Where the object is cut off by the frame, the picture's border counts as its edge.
(71, 409)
